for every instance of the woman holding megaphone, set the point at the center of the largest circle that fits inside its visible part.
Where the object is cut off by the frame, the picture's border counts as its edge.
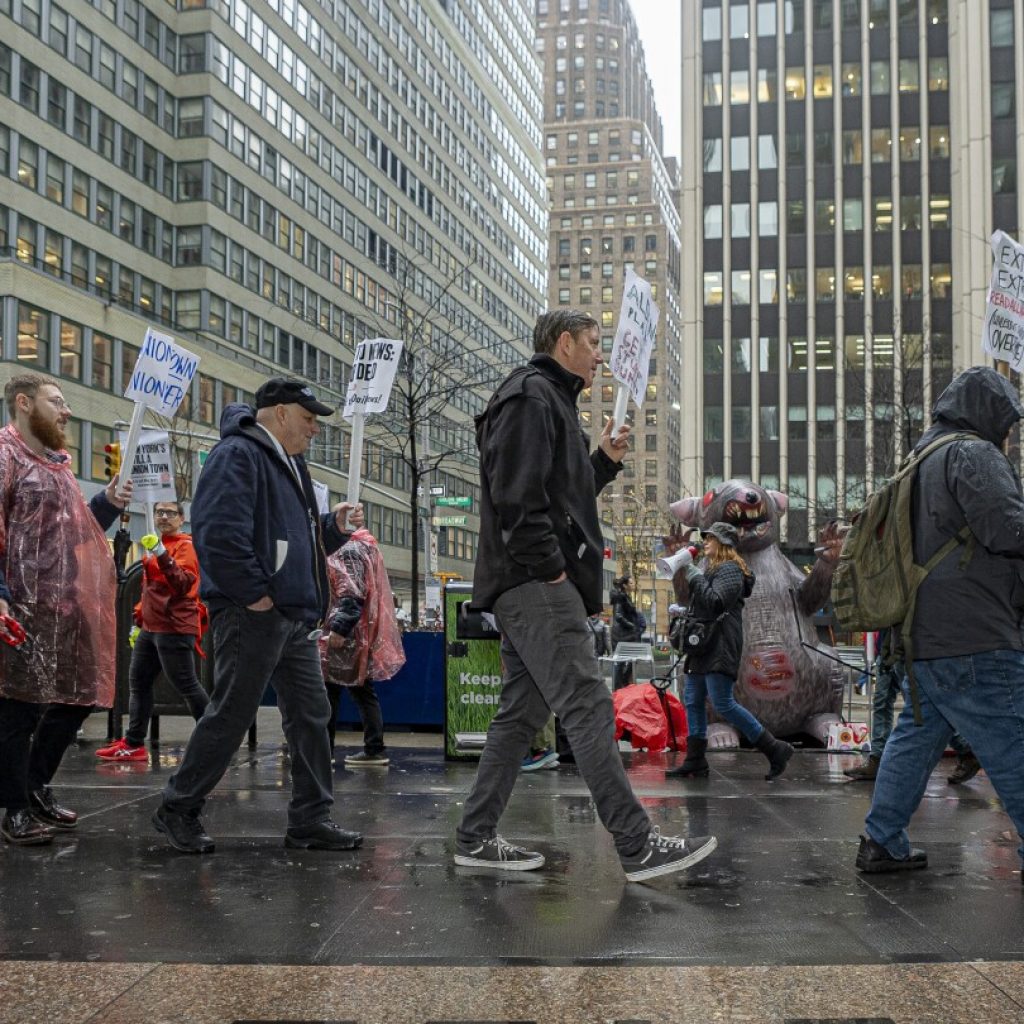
(711, 639)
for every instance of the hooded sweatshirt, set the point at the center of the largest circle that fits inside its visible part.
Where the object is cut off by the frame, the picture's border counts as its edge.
(256, 527)
(969, 606)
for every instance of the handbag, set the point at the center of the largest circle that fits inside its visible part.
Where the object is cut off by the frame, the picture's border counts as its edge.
(695, 636)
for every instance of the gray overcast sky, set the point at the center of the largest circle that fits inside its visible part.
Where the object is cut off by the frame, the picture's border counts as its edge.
(658, 21)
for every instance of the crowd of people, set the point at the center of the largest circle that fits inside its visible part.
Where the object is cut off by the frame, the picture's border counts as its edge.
(299, 599)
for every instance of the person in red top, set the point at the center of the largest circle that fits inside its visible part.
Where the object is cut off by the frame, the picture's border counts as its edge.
(170, 614)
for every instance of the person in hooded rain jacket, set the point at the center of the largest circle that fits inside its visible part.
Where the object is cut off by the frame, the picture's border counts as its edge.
(967, 634)
(717, 596)
(57, 580)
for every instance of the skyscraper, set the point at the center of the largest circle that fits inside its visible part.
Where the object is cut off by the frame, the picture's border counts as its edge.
(850, 160)
(270, 183)
(614, 205)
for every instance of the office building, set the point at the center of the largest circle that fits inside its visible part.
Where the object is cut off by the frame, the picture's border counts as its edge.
(270, 183)
(850, 160)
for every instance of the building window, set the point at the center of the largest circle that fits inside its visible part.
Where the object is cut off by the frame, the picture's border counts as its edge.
(739, 226)
(712, 222)
(70, 350)
(33, 336)
(795, 84)
(851, 80)
(739, 87)
(712, 156)
(881, 145)
(1003, 99)
(712, 23)
(713, 291)
(909, 76)
(910, 143)
(768, 218)
(853, 215)
(825, 285)
(822, 81)
(1004, 177)
(739, 153)
(713, 89)
(1001, 27)
(938, 74)
(880, 82)
(767, 158)
(741, 287)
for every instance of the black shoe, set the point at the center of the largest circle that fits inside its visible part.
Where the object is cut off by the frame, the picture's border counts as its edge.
(324, 835)
(47, 811)
(967, 766)
(696, 764)
(873, 858)
(661, 855)
(20, 828)
(365, 760)
(778, 753)
(184, 832)
(866, 772)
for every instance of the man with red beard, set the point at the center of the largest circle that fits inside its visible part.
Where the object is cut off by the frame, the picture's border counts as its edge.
(57, 580)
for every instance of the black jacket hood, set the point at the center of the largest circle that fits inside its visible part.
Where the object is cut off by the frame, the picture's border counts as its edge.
(979, 400)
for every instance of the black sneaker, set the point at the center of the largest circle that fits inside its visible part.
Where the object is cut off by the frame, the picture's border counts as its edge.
(324, 835)
(20, 828)
(184, 832)
(50, 813)
(365, 760)
(498, 854)
(873, 858)
(661, 855)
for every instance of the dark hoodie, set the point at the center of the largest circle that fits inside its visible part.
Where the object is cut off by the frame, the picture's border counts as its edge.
(974, 606)
(256, 530)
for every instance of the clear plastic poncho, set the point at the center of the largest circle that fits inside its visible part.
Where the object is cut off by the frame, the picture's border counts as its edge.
(57, 564)
(374, 648)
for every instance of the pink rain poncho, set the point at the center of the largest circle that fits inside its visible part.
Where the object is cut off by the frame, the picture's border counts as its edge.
(58, 567)
(374, 648)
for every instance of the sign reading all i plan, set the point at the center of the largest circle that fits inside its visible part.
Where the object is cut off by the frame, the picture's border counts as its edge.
(163, 374)
(634, 338)
(373, 373)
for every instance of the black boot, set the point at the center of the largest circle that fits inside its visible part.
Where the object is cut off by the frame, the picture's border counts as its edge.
(866, 772)
(967, 766)
(777, 752)
(696, 764)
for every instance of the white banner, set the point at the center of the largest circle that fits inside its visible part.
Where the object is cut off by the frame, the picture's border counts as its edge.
(152, 467)
(634, 338)
(163, 373)
(1002, 335)
(373, 373)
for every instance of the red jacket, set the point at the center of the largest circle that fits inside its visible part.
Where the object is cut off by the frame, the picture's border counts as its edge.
(170, 589)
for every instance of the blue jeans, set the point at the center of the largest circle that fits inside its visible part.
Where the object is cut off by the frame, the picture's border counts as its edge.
(883, 704)
(981, 696)
(719, 687)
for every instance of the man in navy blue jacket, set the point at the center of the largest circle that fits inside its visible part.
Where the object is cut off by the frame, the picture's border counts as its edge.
(262, 550)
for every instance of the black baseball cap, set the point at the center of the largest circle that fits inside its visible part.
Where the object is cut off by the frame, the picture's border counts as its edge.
(286, 391)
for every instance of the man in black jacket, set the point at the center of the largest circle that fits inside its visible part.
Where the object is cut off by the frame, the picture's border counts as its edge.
(539, 570)
(262, 550)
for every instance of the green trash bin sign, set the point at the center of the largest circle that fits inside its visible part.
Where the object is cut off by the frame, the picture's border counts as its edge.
(472, 663)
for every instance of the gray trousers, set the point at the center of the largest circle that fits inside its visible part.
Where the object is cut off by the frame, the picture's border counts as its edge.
(250, 650)
(548, 664)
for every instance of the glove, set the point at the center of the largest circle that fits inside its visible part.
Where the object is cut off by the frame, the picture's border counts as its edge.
(153, 544)
(133, 636)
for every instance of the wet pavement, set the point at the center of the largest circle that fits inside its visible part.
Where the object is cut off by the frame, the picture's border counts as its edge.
(778, 906)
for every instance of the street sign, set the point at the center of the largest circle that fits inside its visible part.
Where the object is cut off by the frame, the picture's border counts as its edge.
(449, 520)
(436, 490)
(455, 502)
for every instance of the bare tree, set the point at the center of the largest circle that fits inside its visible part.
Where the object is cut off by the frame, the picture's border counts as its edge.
(444, 378)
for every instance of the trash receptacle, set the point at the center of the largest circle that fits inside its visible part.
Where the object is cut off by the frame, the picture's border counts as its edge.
(472, 673)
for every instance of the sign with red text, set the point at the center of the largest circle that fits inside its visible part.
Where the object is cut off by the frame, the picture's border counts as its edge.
(634, 338)
(1002, 335)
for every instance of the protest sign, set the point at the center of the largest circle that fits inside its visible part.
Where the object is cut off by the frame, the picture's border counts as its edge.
(1002, 334)
(373, 373)
(634, 342)
(160, 380)
(152, 470)
(163, 374)
(323, 497)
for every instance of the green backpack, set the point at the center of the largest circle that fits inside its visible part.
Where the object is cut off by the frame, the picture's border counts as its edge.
(876, 579)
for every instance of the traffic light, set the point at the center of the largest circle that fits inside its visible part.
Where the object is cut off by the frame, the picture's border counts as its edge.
(112, 459)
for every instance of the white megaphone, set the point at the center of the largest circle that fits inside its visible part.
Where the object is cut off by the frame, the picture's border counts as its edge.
(668, 567)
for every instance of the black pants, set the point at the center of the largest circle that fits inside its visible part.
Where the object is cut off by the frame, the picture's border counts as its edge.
(175, 654)
(33, 738)
(365, 699)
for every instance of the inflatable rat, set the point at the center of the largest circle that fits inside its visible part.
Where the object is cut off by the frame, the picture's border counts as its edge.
(787, 687)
